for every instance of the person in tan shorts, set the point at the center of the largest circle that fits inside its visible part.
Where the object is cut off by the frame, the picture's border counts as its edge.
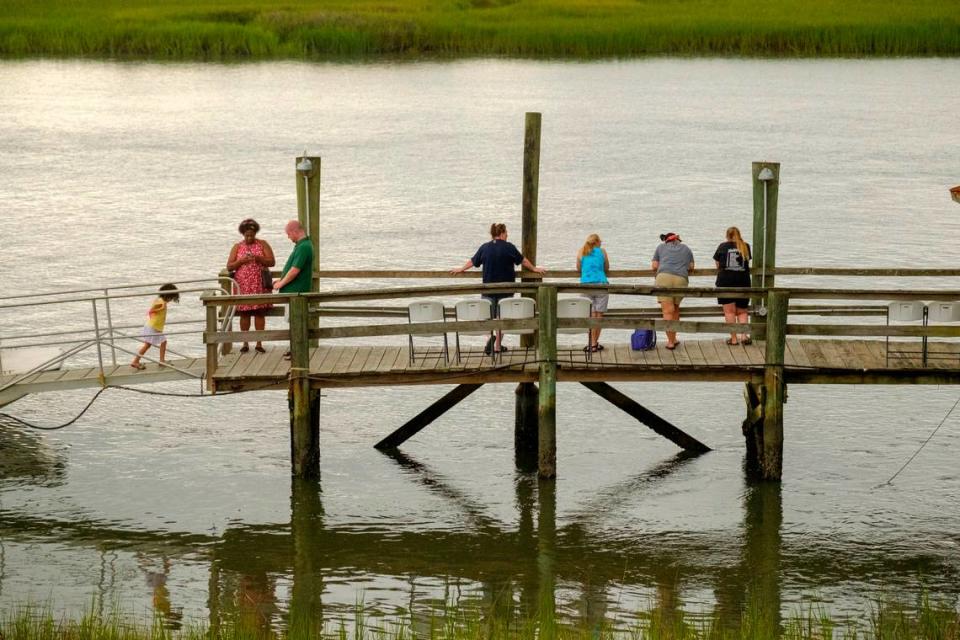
(672, 261)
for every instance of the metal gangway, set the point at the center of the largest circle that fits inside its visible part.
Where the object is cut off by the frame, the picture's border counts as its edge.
(40, 350)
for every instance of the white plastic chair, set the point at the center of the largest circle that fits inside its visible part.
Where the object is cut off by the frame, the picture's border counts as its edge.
(429, 311)
(906, 311)
(943, 312)
(575, 308)
(471, 310)
(517, 309)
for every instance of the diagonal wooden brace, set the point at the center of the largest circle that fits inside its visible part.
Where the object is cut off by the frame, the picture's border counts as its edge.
(647, 417)
(413, 426)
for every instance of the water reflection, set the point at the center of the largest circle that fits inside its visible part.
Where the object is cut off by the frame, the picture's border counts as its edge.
(27, 458)
(558, 569)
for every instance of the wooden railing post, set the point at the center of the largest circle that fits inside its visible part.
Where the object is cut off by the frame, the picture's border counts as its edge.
(547, 356)
(771, 454)
(212, 350)
(303, 401)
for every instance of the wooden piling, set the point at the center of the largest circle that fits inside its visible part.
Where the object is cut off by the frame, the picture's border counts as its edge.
(547, 396)
(525, 421)
(525, 437)
(771, 455)
(304, 402)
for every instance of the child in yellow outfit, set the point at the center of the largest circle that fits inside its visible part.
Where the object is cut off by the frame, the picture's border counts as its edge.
(152, 332)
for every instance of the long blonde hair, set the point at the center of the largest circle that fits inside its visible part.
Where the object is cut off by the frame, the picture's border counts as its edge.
(733, 234)
(593, 241)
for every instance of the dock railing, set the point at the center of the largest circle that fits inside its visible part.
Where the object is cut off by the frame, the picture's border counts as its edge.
(780, 304)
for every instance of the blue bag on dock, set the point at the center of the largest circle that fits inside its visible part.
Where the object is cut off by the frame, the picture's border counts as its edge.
(643, 339)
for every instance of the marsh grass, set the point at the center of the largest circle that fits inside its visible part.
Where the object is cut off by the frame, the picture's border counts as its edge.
(886, 621)
(575, 29)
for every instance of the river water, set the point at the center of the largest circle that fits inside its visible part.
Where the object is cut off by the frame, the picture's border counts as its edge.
(134, 172)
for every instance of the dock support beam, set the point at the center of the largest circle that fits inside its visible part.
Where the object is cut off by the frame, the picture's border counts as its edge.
(413, 426)
(303, 401)
(547, 404)
(525, 422)
(763, 428)
(647, 417)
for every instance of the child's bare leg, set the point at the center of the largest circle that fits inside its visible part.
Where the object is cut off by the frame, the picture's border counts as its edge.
(136, 360)
(163, 351)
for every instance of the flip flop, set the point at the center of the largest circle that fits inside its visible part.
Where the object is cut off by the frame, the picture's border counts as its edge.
(732, 342)
(260, 349)
(244, 349)
(746, 341)
(674, 345)
(138, 367)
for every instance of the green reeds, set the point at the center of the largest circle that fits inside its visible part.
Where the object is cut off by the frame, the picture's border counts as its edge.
(891, 620)
(572, 29)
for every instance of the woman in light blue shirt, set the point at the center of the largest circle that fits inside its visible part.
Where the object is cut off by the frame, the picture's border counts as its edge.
(593, 265)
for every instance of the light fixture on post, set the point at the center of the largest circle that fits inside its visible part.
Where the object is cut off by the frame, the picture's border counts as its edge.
(304, 167)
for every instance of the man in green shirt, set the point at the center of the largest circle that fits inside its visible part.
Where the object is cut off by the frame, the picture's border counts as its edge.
(297, 273)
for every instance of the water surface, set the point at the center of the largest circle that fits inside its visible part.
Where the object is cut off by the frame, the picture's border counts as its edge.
(140, 172)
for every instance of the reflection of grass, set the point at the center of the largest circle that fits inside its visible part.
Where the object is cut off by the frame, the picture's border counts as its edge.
(887, 621)
(237, 29)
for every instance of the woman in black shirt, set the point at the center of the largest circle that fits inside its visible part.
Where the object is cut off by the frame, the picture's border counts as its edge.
(733, 270)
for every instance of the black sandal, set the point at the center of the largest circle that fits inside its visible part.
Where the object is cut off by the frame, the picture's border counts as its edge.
(245, 348)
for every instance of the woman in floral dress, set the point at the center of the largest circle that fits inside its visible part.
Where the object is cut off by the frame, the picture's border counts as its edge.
(248, 259)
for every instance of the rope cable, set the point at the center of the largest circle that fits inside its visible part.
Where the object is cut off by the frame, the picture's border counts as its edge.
(929, 438)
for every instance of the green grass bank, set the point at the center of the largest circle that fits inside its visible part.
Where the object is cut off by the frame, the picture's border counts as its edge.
(886, 621)
(566, 29)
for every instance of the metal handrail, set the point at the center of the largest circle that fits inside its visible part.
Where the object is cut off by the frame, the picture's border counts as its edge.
(110, 333)
(47, 294)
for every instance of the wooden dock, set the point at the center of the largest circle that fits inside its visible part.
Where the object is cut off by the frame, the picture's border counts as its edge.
(695, 360)
(790, 344)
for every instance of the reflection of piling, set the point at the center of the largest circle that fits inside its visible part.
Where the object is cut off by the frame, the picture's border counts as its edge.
(306, 521)
(761, 554)
(546, 557)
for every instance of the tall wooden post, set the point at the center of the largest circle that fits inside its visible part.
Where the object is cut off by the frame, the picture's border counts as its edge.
(766, 186)
(303, 401)
(308, 213)
(308, 204)
(531, 195)
(525, 421)
(771, 454)
(547, 355)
